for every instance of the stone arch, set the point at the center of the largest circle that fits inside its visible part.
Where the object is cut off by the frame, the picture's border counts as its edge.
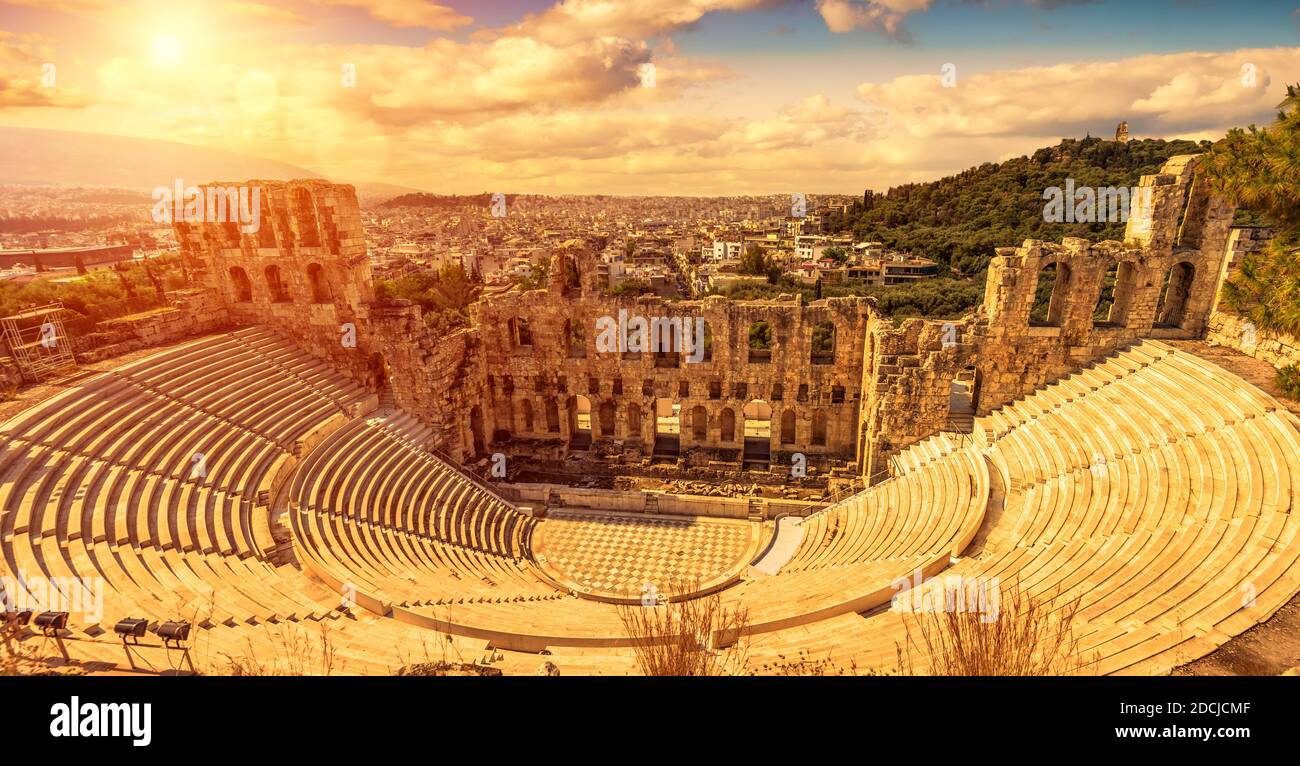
(667, 427)
(574, 340)
(1116, 295)
(823, 343)
(570, 275)
(607, 418)
(1051, 295)
(243, 287)
(727, 425)
(699, 424)
(819, 429)
(579, 414)
(320, 289)
(527, 409)
(757, 415)
(1171, 310)
(788, 433)
(520, 332)
(760, 342)
(552, 410)
(275, 285)
(378, 370)
(634, 421)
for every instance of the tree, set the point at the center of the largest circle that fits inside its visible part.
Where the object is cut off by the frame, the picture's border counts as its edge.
(1259, 169)
(837, 254)
(754, 261)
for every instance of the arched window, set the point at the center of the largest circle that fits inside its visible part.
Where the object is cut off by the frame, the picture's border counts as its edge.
(304, 211)
(787, 427)
(575, 341)
(823, 343)
(552, 416)
(520, 332)
(580, 415)
(699, 423)
(572, 279)
(1116, 295)
(819, 429)
(607, 419)
(633, 422)
(760, 342)
(275, 285)
(1171, 311)
(528, 416)
(727, 432)
(243, 287)
(1050, 295)
(320, 291)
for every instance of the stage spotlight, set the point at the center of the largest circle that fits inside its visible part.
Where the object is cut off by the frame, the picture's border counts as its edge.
(51, 623)
(173, 632)
(131, 627)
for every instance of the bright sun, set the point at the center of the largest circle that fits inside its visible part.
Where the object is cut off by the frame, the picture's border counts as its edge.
(167, 50)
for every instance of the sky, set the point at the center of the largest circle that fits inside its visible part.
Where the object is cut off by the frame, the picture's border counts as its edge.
(684, 97)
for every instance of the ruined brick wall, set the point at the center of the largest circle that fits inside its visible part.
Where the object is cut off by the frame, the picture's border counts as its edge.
(1242, 241)
(1165, 277)
(908, 372)
(530, 360)
(1228, 329)
(1278, 349)
(305, 272)
(533, 387)
(190, 313)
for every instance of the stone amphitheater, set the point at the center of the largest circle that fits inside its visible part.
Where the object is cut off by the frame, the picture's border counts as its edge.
(290, 456)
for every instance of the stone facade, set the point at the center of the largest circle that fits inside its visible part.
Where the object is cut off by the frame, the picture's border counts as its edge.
(540, 382)
(1165, 276)
(532, 370)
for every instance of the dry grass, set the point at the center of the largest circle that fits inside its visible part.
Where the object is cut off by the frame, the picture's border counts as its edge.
(682, 638)
(294, 651)
(1027, 637)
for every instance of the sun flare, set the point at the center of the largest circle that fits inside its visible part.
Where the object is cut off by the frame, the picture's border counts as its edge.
(167, 50)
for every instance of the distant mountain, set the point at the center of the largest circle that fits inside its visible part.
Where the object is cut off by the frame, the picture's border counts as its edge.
(69, 158)
(442, 201)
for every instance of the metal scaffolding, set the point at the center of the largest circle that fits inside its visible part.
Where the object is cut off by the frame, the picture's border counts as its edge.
(38, 342)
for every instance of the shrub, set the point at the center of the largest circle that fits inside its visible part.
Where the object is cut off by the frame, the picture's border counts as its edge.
(1288, 379)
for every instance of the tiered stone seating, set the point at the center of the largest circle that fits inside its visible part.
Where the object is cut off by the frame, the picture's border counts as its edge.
(1152, 487)
(1156, 489)
(98, 485)
(376, 513)
(854, 551)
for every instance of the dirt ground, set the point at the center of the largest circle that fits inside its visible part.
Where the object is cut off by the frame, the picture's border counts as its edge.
(1268, 649)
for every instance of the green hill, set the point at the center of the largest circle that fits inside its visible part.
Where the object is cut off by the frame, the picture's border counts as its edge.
(960, 219)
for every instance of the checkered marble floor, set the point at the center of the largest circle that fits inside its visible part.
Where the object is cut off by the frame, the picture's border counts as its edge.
(623, 556)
